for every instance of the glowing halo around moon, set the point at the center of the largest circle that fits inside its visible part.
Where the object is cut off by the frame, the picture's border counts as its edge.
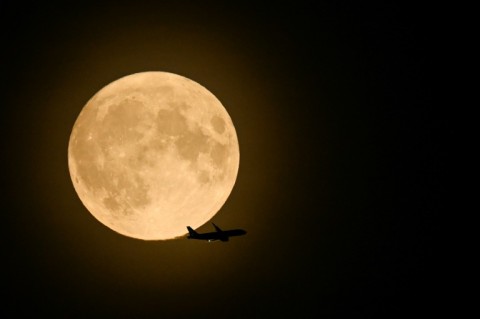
(151, 153)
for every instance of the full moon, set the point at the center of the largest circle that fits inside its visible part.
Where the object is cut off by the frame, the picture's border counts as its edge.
(152, 153)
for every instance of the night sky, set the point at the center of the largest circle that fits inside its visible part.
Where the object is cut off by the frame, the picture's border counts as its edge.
(340, 160)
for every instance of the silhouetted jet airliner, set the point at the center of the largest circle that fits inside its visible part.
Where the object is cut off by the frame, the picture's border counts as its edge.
(219, 234)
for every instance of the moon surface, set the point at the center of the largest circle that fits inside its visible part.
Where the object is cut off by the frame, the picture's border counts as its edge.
(152, 153)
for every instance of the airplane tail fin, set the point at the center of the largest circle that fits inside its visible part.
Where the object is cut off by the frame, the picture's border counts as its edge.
(191, 231)
(216, 227)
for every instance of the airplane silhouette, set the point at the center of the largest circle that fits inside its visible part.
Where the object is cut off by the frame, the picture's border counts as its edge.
(222, 235)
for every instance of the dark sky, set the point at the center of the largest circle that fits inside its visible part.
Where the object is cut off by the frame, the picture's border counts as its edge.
(340, 170)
